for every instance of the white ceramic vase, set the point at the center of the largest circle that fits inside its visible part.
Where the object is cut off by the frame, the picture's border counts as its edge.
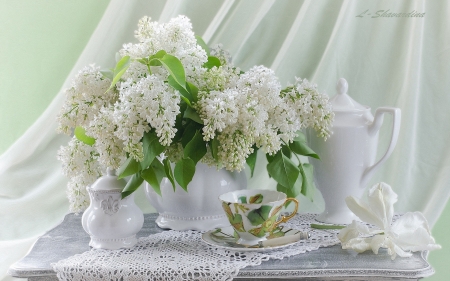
(111, 222)
(200, 207)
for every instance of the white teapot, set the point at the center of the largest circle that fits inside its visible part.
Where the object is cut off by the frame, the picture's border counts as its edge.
(347, 157)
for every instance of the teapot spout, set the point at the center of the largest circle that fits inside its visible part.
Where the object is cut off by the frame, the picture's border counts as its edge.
(373, 130)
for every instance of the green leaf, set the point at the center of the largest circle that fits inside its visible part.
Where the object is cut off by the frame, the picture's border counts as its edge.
(153, 60)
(193, 90)
(283, 170)
(214, 146)
(251, 160)
(175, 68)
(290, 192)
(108, 73)
(154, 174)
(190, 113)
(308, 186)
(270, 157)
(169, 173)
(184, 172)
(189, 132)
(300, 146)
(260, 215)
(149, 176)
(202, 44)
(130, 167)
(195, 149)
(159, 55)
(179, 123)
(80, 134)
(143, 61)
(286, 151)
(184, 93)
(177, 76)
(133, 184)
(212, 61)
(151, 148)
(121, 66)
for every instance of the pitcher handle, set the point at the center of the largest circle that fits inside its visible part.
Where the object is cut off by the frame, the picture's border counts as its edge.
(374, 128)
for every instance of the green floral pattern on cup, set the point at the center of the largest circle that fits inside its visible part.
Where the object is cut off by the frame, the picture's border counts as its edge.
(235, 219)
(256, 215)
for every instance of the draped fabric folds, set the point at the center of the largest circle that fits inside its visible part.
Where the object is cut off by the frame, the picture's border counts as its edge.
(388, 61)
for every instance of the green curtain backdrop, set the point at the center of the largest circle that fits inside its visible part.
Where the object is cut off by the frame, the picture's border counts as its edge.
(388, 61)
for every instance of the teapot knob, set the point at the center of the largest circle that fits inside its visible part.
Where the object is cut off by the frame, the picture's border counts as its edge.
(341, 86)
(110, 172)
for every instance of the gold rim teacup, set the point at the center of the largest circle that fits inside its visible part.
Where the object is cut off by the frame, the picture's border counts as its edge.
(255, 213)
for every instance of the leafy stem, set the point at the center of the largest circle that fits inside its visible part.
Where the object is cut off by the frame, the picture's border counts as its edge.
(327, 226)
(149, 70)
(295, 154)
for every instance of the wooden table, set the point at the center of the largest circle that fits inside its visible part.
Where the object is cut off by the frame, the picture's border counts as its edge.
(332, 263)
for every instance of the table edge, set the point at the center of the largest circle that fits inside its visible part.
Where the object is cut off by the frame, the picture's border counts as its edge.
(248, 273)
(16, 271)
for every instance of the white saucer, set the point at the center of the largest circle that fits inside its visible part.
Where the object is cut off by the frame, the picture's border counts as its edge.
(225, 237)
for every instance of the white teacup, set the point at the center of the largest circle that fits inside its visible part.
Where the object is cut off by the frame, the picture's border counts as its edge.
(254, 213)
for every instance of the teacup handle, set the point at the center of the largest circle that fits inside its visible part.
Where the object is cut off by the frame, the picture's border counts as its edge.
(286, 218)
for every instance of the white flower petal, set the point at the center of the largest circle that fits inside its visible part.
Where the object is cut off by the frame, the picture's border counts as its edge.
(358, 245)
(381, 202)
(394, 250)
(412, 233)
(409, 233)
(363, 211)
(377, 242)
(353, 230)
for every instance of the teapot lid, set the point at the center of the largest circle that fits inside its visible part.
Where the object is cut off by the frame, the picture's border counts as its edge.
(342, 102)
(109, 182)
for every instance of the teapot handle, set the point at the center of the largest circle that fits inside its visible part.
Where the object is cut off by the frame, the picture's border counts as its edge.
(373, 129)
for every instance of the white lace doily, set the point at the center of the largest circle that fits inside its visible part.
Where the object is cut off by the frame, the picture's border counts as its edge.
(175, 255)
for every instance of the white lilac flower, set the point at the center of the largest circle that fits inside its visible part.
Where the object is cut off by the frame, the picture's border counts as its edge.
(223, 55)
(147, 29)
(174, 152)
(80, 160)
(149, 103)
(77, 195)
(175, 37)
(217, 110)
(83, 100)
(179, 40)
(269, 140)
(109, 147)
(235, 147)
(260, 85)
(238, 116)
(259, 91)
(218, 78)
(304, 107)
(209, 160)
(407, 234)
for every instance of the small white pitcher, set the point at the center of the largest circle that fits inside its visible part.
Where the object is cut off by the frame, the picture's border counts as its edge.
(112, 222)
(347, 157)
